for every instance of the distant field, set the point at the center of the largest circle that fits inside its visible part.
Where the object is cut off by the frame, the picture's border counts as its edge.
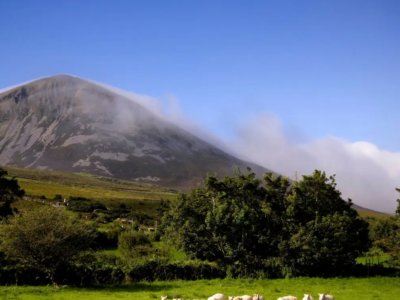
(378, 288)
(373, 214)
(50, 183)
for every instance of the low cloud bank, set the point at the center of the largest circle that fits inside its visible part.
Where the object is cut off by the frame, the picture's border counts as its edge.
(364, 173)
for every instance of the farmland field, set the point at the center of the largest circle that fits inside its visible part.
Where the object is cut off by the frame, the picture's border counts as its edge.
(50, 183)
(110, 191)
(376, 288)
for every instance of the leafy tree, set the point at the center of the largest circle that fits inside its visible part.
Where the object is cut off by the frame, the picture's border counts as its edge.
(225, 221)
(10, 191)
(305, 225)
(389, 232)
(326, 235)
(46, 239)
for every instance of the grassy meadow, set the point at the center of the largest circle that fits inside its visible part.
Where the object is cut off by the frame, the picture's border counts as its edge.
(377, 288)
(110, 191)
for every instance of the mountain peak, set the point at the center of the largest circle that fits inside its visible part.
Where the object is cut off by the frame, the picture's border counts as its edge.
(67, 123)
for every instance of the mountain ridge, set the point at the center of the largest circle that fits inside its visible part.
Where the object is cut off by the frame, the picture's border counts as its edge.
(68, 123)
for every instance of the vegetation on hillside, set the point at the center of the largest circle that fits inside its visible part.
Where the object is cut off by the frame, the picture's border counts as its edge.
(10, 191)
(306, 229)
(239, 226)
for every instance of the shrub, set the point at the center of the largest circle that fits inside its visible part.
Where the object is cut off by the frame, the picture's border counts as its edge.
(131, 243)
(45, 239)
(85, 205)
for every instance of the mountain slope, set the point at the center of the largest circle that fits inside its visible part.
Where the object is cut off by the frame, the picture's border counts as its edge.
(70, 124)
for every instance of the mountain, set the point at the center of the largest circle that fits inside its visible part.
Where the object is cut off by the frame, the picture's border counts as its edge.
(71, 124)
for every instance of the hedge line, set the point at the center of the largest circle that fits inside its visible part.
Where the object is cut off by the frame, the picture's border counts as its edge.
(101, 273)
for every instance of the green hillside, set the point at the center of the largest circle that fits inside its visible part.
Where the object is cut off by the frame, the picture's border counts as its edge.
(38, 183)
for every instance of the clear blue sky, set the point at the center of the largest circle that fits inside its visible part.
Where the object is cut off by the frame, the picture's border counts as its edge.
(325, 67)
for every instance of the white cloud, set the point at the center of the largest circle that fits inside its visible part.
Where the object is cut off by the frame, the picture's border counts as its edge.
(364, 173)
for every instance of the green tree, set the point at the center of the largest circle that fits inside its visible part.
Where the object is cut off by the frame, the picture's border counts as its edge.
(389, 232)
(46, 239)
(227, 221)
(10, 191)
(326, 235)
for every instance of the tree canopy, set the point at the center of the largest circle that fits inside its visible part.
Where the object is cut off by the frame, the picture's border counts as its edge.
(9, 192)
(245, 221)
(45, 238)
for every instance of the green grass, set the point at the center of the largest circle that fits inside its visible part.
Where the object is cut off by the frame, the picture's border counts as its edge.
(373, 214)
(377, 288)
(175, 254)
(50, 183)
(110, 191)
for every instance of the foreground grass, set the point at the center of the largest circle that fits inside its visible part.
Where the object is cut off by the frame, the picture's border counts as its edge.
(343, 289)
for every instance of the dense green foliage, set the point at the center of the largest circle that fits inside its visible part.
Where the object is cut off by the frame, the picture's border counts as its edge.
(80, 204)
(239, 226)
(45, 239)
(9, 192)
(132, 243)
(307, 227)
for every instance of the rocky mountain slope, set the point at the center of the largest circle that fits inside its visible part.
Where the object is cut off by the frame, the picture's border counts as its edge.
(70, 124)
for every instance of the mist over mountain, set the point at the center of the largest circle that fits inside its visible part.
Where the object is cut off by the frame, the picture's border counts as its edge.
(67, 123)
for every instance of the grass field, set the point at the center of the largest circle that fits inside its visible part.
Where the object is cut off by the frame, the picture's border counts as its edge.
(377, 288)
(50, 183)
(373, 214)
(112, 192)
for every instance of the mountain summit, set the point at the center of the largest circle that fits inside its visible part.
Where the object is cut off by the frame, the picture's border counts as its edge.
(71, 124)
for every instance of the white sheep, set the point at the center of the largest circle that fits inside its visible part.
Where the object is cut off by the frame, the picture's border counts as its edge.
(217, 297)
(308, 297)
(258, 297)
(246, 297)
(325, 297)
(163, 298)
(288, 298)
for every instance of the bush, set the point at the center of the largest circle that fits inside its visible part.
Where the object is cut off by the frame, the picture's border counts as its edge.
(132, 243)
(57, 197)
(46, 239)
(156, 236)
(136, 225)
(107, 269)
(106, 239)
(84, 205)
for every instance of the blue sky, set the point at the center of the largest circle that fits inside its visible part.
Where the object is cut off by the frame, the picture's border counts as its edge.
(291, 85)
(324, 67)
